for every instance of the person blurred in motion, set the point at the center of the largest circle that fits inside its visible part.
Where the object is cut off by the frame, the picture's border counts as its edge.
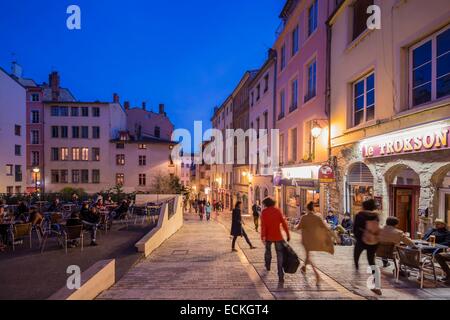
(440, 232)
(208, 211)
(272, 220)
(236, 227)
(316, 237)
(256, 210)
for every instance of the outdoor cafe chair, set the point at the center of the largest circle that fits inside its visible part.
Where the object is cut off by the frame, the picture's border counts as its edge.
(413, 259)
(73, 233)
(53, 223)
(20, 232)
(387, 251)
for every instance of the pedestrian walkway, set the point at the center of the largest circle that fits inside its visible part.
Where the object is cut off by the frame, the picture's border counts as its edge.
(197, 264)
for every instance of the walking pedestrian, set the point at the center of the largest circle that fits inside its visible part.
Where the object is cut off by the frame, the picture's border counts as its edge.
(256, 209)
(236, 227)
(316, 237)
(271, 220)
(201, 210)
(366, 229)
(208, 211)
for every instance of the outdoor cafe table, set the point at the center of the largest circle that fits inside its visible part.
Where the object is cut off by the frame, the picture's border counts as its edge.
(429, 248)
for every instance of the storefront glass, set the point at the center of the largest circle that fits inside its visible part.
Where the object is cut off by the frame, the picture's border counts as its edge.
(359, 187)
(359, 194)
(291, 202)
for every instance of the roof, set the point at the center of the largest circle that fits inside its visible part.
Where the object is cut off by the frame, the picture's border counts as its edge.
(263, 68)
(13, 78)
(27, 82)
(145, 139)
(287, 9)
(64, 94)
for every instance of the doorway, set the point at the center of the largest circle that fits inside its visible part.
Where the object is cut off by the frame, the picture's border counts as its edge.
(444, 205)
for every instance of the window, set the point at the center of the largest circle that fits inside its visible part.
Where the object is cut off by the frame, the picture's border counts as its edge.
(18, 189)
(85, 132)
(95, 154)
(85, 154)
(120, 179)
(64, 176)
(34, 97)
(9, 169)
(281, 151)
(312, 18)
(293, 145)
(364, 99)
(64, 154)
(18, 173)
(84, 176)
(75, 132)
(74, 111)
(55, 176)
(120, 146)
(35, 157)
(252, 101)
(294, 95)
(84, 111)
(35, 116)
(63, 111)
(142, 146)
(34, 136)
(64, 132)
(95, 132)
(311, 85)
(75, 154)
(75, 176)
(157, 132)
(96, 112)
(18, 150)
(266, 120)
(55, 154)
(120, 159)
(95, 176)
(55, 111)
(283, 57)
(282, 105)
(360, 16)
(142, 160)
(266, 83)
(17, 130)
(430, 69)
(142, 180)
(258, 92)
(55, 131)
(9, 190)
(295, 41)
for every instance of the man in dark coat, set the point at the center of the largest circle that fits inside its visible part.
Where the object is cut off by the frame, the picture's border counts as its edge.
(236, 227)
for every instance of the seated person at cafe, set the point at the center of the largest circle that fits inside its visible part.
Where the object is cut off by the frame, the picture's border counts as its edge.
(347, 222)
(35, 218)
(332, 220)
(3, 228)
(389, 234)
(74, 221)
(108, 200)
(55, 206)
(99, 204)
(121, 210)
(441, 233)
(91, 220)
(22, 211)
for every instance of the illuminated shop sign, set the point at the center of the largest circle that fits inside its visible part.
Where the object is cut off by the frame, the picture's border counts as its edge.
(421, 139)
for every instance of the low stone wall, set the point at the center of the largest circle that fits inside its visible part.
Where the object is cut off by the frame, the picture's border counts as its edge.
(98, 278)
(167, 226)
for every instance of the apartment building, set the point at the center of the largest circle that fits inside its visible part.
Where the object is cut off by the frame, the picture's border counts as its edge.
(301, 49)
(12, 135)
(390, 110)
(261, 117)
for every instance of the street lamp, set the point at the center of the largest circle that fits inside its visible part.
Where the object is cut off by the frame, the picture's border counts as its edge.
(316, 131)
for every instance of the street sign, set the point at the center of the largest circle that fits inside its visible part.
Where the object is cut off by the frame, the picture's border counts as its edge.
(326, 174)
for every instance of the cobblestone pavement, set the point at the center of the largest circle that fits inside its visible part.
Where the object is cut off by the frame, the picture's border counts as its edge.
(197, 264)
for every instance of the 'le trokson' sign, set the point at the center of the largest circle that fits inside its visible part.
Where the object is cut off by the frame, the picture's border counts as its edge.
(415, 141)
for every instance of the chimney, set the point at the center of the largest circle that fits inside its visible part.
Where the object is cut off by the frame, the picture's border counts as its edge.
(116, 98)
(126, 105)
(161, 109)
(144, 106)
(53, 80)
(16, 70)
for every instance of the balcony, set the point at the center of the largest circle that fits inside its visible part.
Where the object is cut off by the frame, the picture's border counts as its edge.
(293, 107)
(310, 95)
(280, 116)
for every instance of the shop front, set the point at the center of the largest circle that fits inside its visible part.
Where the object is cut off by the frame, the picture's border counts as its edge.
(406, 172)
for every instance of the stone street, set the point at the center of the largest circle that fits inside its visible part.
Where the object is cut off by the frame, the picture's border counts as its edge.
(197, 264)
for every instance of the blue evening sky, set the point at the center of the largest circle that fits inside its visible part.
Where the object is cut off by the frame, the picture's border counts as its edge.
(188, 54)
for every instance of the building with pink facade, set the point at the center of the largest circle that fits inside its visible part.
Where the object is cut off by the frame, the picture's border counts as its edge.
(301, 102)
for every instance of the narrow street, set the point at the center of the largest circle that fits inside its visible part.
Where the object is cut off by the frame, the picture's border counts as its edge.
(197, 264)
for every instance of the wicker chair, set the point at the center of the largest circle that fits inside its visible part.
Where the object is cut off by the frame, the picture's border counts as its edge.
(73, 233)
(20, 232)
(413, 259)
(386, 251)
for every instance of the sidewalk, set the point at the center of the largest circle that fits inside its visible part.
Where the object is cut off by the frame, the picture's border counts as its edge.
(197, 264)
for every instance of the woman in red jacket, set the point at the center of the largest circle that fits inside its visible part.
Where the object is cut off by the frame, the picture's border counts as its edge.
(271, 221)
